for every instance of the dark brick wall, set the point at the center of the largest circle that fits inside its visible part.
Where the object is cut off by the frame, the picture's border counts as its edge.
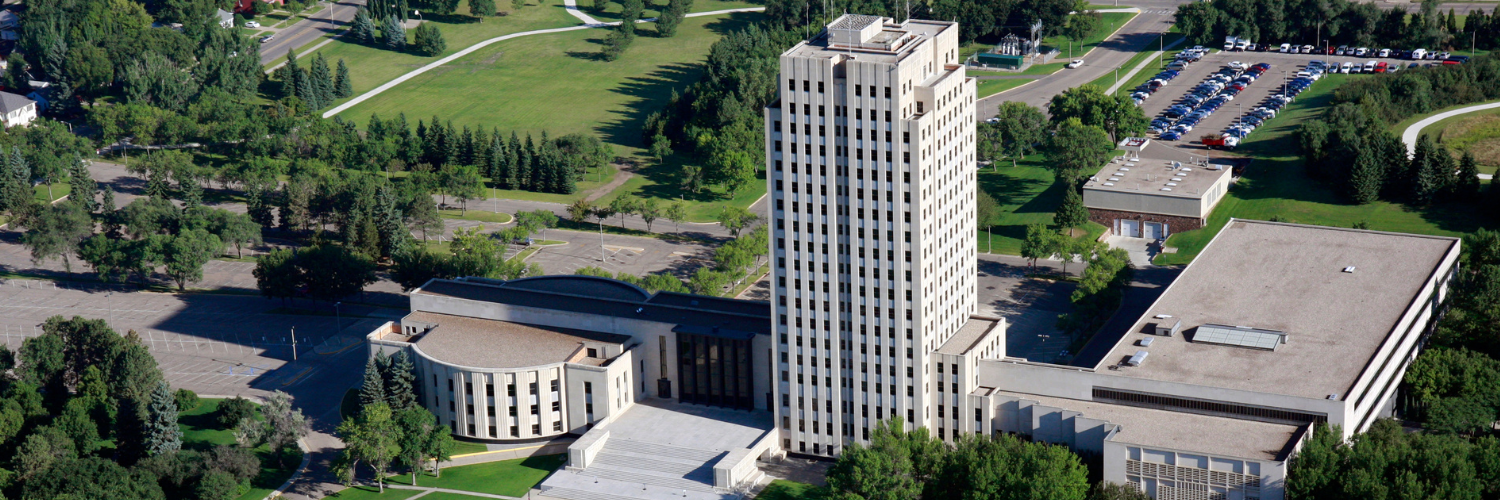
(1175, 224)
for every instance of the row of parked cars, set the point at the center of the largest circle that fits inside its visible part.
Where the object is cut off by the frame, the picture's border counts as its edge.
(1243, 45)
(1179, 63)
(1267, 109)
(1205, 98)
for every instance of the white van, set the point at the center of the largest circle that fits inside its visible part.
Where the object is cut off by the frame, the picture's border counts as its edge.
(1418, 54)
(1370, 67)
(1286, 47)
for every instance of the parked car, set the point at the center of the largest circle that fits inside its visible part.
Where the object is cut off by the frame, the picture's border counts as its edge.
(252, 24)
(1418, 54)
(1307, 49)
(1286, 48)
(1384, 53)
(1369, 67)
(1361, 52)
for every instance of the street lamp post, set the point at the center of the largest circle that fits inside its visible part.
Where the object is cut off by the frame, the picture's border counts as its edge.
(294, 343)
(338, 318)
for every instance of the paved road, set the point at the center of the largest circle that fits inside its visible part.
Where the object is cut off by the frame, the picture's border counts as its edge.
(309, 30)
(1141, 33)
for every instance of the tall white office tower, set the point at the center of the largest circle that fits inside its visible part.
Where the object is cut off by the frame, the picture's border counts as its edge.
(870, 154)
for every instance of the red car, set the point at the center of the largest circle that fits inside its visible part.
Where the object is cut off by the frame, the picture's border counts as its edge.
(1380, 67)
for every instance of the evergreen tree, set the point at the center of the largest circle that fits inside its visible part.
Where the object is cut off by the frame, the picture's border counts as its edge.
(496, 166)
(1430, 181)
(373, 390)
(395, 33)
(667, 22)
(291, 76)
(525, 164)
(429, 40)
(1423, 187)
(82, 186)
(1365, 178)
(450, 145)
(394, 237)
(342, 87)
(163, 436)
(321, 80)
(1466, 187)
(400, 387)
(466, 147)
(363, 29)
(1071, 213)
(513, 162)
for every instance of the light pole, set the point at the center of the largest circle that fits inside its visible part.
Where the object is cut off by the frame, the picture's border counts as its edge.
(338, 318)
(294, 343)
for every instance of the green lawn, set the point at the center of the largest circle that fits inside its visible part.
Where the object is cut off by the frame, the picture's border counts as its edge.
(1027, 195)
(509, 477)
(660, 182)
(994, 86)
(554, 83)
(1477, 132)
(1147, 72)
(1112, 21)
(467, 447)
(200, 431)
(370, 493)
(782, 489)
(1276, 186)
(475, 214)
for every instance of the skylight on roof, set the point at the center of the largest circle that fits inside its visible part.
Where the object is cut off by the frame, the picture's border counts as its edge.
(1239, 336)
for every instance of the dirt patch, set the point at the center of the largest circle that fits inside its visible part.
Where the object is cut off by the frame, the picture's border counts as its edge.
(490, 61)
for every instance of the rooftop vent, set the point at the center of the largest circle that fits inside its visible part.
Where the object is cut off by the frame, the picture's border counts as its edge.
(1176, 179)
(1109, 183)
(1137, 359)
(1162, 316)
(1240, 336)
(1349, 269)
(1112, 179)
(1124, 169)
(1186, 170)
(1145, 342)
(1166, 189)
(1171, 184)
(1333, 396)
(1168, 327)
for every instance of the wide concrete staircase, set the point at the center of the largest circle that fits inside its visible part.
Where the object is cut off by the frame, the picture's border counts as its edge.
(634, 469)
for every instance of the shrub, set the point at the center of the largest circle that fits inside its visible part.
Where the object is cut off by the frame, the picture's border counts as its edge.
(186, 400)
(232, 410)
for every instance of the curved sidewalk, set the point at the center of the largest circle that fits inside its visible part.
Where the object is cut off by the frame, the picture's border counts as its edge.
(1410, 135)
(572, 9)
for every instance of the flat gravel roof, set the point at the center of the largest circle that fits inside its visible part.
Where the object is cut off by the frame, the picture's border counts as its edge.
(1289, 278)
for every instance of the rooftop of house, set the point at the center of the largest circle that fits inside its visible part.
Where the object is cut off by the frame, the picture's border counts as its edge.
(1157, 177)
(1189, 432)
(485, 343)
(12, 102)
(1323, 299)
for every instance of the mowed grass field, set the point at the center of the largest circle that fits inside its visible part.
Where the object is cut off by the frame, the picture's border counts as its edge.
(554, 83)
(373, 65)
(1028, 194)
(1275, 185)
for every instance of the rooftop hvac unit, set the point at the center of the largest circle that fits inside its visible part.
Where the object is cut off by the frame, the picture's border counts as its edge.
(1145, 342)
(1137, 359)
(1168, 327)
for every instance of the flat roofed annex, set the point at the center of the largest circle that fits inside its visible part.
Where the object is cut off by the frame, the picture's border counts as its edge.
(1288, 278)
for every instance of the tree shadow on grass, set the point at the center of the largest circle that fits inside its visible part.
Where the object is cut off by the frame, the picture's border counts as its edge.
(1010, 190)
(650, 92)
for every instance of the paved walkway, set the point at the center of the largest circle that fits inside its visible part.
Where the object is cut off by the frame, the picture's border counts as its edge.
(1415, 130)
(572, 9)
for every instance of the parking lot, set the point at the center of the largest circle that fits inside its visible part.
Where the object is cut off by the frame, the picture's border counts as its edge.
(1283, 67)
(213, 344)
